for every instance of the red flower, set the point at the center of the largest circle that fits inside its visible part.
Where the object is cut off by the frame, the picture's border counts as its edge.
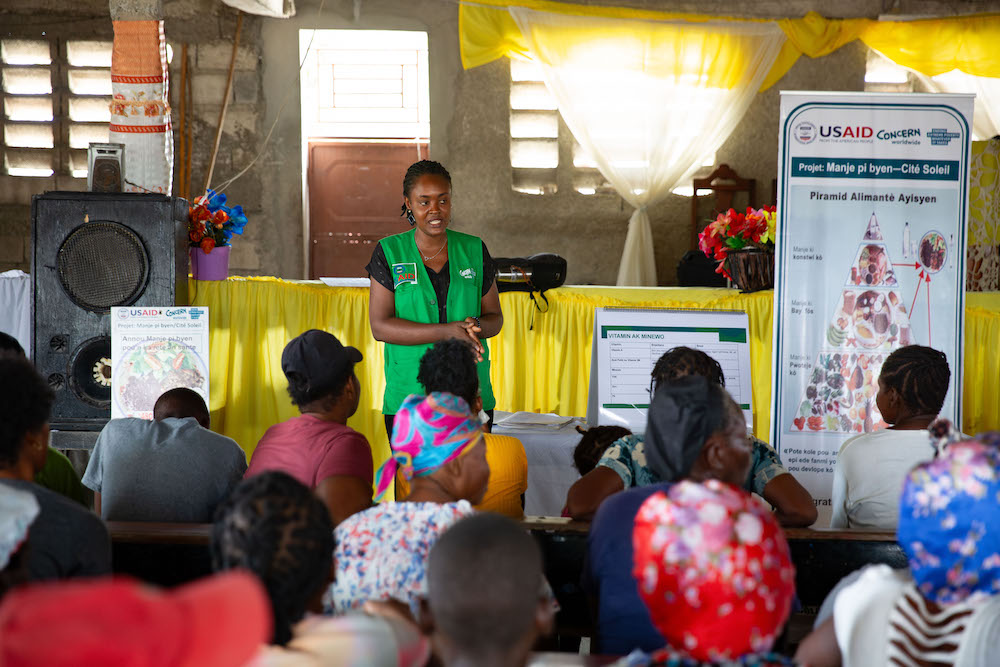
(207, 244)
(196, 235)
(219, 218)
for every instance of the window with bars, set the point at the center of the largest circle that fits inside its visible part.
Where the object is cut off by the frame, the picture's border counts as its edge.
(368, 84)
(55, 101)
(534, 139)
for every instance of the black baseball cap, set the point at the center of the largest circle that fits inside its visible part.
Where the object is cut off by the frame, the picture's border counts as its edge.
(318, 357)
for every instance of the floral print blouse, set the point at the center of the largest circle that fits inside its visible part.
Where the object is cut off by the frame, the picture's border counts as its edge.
(381, 553)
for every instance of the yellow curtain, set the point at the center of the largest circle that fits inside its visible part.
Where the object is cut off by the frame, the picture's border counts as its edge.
(541, 361)
(929, 46)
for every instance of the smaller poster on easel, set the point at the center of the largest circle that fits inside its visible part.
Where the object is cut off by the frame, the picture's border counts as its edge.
(155, 349)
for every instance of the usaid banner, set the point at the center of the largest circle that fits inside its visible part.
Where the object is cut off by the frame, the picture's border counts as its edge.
(155, 349)
(872, 206)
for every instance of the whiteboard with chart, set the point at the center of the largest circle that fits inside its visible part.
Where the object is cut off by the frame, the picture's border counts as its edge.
(628, 341)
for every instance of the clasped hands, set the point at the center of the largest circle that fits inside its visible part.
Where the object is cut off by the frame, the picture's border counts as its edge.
(467, 330)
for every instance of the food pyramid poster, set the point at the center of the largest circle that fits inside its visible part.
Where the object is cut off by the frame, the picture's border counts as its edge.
(870, 321)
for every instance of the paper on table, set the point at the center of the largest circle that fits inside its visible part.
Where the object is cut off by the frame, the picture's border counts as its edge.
(532, 420)
(347, 282)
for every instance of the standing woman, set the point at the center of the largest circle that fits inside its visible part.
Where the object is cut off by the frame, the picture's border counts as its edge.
(429, 284)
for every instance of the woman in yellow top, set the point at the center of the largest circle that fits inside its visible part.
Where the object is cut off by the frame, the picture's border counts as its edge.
(449, 366)
(430, 284)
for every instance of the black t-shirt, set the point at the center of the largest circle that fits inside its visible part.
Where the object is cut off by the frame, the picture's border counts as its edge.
(65, 539)
(378, 270)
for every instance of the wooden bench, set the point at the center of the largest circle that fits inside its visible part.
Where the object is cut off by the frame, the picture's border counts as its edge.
(821, 557)
(173, 553)
(166, 554)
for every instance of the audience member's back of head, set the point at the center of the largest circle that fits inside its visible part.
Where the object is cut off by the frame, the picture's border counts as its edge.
(181, 403)
(683, 361)
(594, 443)
(278, 529)
(713, 568)
(9, 345)
(920, 375)
(25, 404)
(947, 521)
(449, 366)
(485, 583)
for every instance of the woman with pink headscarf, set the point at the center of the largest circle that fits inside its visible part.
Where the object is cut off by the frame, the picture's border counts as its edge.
(381, 553)
(713, 568)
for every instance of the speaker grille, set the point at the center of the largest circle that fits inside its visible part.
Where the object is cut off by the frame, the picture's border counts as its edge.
(103, 264)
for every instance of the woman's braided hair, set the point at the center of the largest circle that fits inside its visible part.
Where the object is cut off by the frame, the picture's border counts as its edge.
(921, 375)
(594, 443)
(422, 168)
(683, 361)
(278, 529)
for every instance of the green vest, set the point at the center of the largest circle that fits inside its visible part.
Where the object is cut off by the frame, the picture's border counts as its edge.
(416, 301)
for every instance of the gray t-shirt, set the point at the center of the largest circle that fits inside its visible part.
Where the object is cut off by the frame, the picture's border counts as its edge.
(65, 540)
(170, 470)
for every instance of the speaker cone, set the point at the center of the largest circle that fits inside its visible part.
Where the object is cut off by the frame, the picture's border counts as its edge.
(90, 371)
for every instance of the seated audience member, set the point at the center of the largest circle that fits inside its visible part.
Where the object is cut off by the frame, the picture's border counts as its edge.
(318, 448)
(871, 467)
(219, 621)
(66, 540)
(450, 367)
(170, 469)
(485, 603)
(946, 609)
(18, 510)
(715, 572)
(58, 473)
(624, 465)
(277, 529)
(695, 431)
(595, 442)
(381, 553)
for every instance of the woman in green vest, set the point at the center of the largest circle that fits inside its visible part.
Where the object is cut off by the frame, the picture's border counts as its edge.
(429, 284)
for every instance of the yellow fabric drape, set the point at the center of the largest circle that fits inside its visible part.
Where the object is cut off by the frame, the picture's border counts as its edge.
(936, 46)
(929, 46)
(541, 361)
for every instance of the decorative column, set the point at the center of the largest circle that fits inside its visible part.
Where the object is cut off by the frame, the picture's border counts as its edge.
(140, 109)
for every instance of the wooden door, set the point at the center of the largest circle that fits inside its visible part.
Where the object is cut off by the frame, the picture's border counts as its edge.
(355, 191)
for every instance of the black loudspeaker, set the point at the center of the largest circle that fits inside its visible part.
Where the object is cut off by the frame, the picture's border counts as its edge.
(530, 274)
(92, 251)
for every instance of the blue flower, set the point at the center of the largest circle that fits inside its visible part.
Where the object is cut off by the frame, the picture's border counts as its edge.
(215, 200)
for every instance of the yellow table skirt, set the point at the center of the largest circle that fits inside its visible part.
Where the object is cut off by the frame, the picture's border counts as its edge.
(541, 361)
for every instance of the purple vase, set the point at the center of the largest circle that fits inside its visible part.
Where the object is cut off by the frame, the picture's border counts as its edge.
(210, 266)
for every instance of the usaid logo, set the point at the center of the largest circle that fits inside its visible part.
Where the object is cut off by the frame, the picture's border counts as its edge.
(804, 133)
(122, 313)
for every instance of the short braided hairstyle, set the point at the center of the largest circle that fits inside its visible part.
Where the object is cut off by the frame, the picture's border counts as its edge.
(276, 528)
(422, 168)
(682, 361)
(921, 375)
(594, 443)
(25, 404)
(450, 366)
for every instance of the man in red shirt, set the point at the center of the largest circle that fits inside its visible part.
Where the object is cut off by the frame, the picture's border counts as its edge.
(318, 448)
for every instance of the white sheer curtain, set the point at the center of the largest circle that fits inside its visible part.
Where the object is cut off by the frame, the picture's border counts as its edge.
(986, 116)
(649, 100)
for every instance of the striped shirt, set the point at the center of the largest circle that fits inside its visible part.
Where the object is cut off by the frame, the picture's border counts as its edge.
(882, 619)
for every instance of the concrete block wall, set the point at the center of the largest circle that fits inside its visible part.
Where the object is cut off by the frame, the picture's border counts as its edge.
(207, 26)
(209, 35)
(469, 126)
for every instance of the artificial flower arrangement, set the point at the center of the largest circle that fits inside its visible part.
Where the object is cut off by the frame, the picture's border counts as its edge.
(733, 231)
(211, 223)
